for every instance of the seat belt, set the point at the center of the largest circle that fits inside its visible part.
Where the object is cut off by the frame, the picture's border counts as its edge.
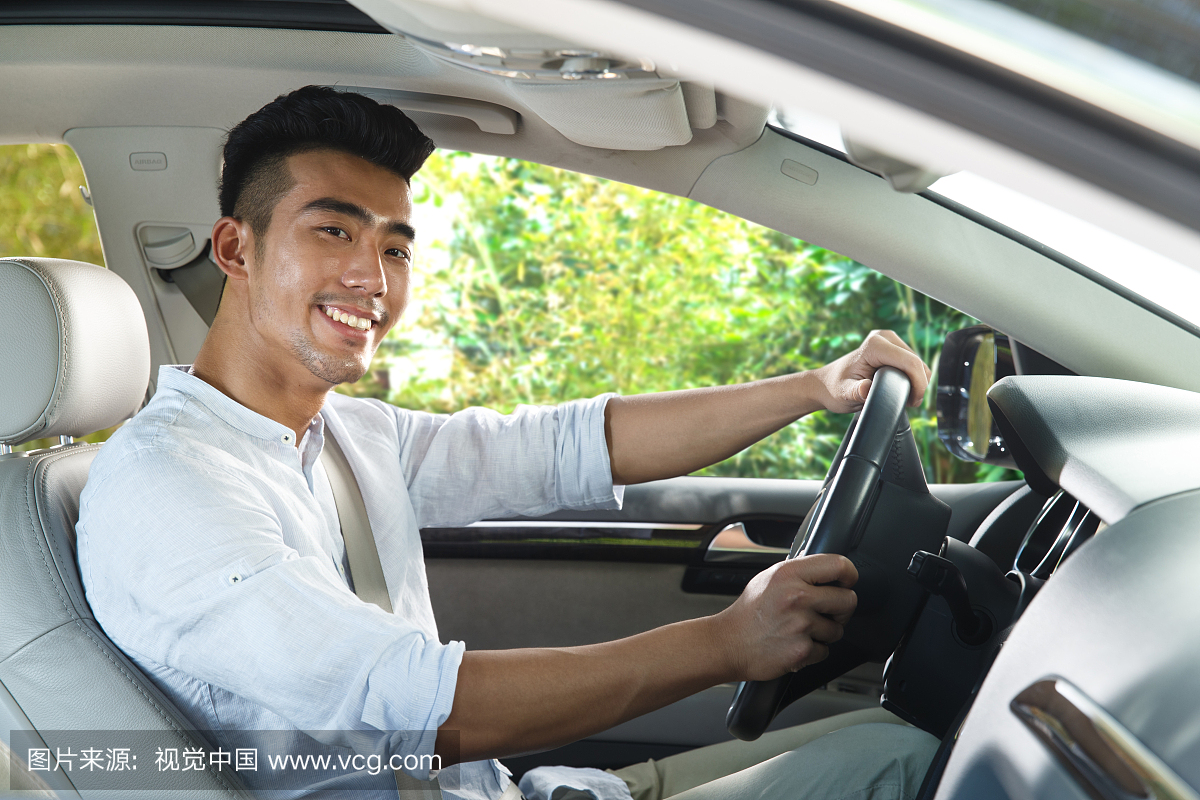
(366, 571)
(365, 568)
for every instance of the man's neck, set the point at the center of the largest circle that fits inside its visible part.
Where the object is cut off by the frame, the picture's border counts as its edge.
(291, 400)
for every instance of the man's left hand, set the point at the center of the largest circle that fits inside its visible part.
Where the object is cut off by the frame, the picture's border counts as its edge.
(848, 379)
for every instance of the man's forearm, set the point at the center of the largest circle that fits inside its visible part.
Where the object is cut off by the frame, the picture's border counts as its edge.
(655, 436)
(516, 701)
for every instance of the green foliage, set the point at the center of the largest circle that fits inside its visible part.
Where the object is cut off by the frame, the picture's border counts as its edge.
(551, 285)
(42, 213)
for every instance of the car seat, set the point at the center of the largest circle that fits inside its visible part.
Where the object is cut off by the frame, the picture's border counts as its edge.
(74, 359)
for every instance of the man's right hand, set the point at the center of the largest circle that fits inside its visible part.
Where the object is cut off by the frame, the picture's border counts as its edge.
(788, 615)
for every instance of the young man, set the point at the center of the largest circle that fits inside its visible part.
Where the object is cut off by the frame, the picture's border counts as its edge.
(211, 550)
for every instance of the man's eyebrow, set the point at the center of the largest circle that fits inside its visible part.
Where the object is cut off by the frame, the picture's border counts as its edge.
(403, 229)
(343, 207)
(357, 212)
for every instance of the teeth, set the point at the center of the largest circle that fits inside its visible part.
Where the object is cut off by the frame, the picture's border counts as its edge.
(363, 324)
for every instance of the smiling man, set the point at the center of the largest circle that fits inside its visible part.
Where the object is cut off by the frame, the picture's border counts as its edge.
(211, 547)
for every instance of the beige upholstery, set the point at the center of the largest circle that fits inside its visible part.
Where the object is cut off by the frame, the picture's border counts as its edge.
(74, 355)
(643, 114)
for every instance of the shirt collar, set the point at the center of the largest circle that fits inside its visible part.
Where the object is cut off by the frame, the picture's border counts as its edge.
(177, 378)
(312, 443)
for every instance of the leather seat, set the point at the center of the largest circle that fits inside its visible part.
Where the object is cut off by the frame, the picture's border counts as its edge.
(74, 359)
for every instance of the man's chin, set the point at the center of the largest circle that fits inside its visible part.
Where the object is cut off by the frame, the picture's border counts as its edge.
(335, 376)
(334, 371)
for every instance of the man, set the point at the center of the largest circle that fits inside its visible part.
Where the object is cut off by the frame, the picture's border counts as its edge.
(210, 545)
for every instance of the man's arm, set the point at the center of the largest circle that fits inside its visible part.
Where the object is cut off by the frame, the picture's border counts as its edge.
(516, 701)
(655, 436)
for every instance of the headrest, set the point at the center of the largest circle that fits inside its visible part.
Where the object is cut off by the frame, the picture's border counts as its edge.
(74, 353)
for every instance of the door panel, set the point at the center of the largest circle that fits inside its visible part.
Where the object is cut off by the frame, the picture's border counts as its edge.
(574, 578)
(494, 605)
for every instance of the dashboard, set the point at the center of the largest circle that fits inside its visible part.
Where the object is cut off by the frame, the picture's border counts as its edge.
(1095, 691)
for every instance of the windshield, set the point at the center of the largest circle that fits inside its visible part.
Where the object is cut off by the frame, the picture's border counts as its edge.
(1165, 33)
(1137, 59)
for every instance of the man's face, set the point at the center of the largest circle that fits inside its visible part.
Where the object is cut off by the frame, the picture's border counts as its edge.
(331, 275)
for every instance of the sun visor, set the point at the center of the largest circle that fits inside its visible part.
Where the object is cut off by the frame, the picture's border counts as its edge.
(642, 114)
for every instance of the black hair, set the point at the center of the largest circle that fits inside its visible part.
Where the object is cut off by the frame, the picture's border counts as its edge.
(255, 174)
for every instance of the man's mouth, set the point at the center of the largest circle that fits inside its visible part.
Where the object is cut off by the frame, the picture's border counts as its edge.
(362, 323)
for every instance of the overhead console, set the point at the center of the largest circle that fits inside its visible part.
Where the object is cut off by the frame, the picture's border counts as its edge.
(593, 98)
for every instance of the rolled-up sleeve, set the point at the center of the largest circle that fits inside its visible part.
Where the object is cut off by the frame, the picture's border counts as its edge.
(217, 594)
(582, 472)
(478, 464)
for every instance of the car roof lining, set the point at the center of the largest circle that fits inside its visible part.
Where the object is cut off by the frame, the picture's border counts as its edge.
(63, 77)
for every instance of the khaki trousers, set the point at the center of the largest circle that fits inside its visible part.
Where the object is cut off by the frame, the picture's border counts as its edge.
(863, 755)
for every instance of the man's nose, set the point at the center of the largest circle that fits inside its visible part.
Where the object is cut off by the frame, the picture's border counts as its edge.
(366, 272)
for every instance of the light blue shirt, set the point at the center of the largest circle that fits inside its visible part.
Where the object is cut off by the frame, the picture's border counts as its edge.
(210, 551)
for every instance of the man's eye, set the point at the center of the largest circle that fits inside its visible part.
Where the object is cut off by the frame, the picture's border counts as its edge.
(336, 231)
(396, 252)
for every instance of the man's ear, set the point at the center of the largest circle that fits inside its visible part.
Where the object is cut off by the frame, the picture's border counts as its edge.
(232, 240)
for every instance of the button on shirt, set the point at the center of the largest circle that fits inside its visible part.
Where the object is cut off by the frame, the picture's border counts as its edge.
(210, 551)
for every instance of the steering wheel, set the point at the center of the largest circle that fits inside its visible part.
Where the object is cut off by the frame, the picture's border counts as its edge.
(874, 508)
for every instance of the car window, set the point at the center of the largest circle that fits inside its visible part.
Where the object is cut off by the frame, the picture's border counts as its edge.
(1161, 32)
(538, 285)
(45, 212)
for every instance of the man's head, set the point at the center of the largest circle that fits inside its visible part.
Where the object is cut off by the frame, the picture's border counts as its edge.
(316, 227)
(255, 175)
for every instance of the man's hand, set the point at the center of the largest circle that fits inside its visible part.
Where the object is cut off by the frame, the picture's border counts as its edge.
(848, 379)
(788, 616)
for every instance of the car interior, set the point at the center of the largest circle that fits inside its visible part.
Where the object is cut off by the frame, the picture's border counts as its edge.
(1043, 629)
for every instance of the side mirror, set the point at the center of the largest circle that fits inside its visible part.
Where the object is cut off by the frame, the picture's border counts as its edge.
(972, 360)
